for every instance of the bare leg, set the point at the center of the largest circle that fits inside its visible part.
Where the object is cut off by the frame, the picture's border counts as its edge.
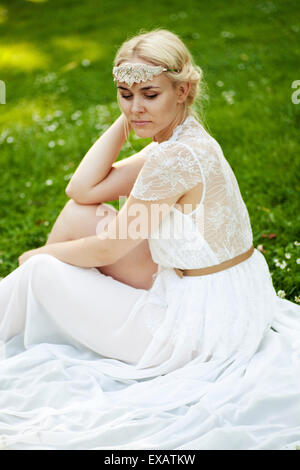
(80, 220)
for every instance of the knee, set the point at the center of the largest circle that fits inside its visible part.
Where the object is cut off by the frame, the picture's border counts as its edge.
(43, 270)
(74, 213)
(41, 259)
(72, 207)
(106, 209)
(105, 214)
(109, 207)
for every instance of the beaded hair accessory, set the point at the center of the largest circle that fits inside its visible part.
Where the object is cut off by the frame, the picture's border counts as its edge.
(137, 72)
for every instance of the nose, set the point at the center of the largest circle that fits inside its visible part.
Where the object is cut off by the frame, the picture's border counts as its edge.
(137, 105)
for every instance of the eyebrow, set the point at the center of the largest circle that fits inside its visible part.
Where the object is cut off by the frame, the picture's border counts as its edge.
(144, 88)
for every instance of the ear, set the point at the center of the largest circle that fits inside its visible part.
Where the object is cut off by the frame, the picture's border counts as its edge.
(183, 90)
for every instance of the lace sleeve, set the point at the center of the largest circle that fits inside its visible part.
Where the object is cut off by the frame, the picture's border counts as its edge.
(171, 169)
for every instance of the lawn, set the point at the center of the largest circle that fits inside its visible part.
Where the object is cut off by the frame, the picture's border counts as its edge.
(56, 61)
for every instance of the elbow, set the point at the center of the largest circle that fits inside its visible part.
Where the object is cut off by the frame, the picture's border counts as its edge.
(68, 191)
(74, 194)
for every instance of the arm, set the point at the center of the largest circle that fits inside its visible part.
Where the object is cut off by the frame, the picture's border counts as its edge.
(118, 182)
(98, 161)
(134, 223)
(167, 174)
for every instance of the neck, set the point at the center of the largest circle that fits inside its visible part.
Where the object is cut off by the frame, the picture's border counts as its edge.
(166, 133)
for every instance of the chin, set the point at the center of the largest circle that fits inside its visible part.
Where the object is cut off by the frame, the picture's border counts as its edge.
(143, 133)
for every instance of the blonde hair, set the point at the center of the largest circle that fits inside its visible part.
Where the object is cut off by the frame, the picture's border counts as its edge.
(162, 47)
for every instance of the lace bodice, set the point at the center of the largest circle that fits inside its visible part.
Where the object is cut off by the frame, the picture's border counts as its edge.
(219, 228)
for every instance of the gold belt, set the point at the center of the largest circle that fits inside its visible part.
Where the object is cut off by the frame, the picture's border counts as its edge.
(217, 267)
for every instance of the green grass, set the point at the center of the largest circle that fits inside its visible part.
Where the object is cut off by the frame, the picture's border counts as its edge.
(248, 48)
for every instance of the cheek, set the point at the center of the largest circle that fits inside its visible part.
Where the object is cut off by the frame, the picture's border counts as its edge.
(161, 102)
(166, 101)
(122, 101)
(125, 106)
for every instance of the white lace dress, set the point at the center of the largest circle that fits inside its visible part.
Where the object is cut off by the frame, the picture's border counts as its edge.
(207, 362)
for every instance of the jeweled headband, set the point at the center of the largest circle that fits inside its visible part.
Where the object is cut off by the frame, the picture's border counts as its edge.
(137, 72)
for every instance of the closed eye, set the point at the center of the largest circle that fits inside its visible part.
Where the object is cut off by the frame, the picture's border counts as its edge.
(147, 96)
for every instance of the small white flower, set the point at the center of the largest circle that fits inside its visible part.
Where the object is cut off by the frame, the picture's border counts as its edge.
(46, 222)
(1, 261)
(51, 144)
(49, 182)
(288, 255)
(76, 115)
(3, 135)
(182, 14)
(85, 62)
(296, 243)
(227, 34)
(22, 195)
(220, 83)
(51, 76)
(298, 260)
(60, 141)
(68, 177)
(57, 113)
(28, 184)
(100, 107)
(52, 127)
(283, 265)
(228, 95)
(281, 293)
(9, 140)
(297, 299)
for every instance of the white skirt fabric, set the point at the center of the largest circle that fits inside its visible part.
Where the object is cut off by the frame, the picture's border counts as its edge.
(207, 362)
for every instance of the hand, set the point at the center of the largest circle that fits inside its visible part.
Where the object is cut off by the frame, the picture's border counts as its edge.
(27, 254)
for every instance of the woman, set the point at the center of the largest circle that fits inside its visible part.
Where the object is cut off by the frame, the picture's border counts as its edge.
(196, 349)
